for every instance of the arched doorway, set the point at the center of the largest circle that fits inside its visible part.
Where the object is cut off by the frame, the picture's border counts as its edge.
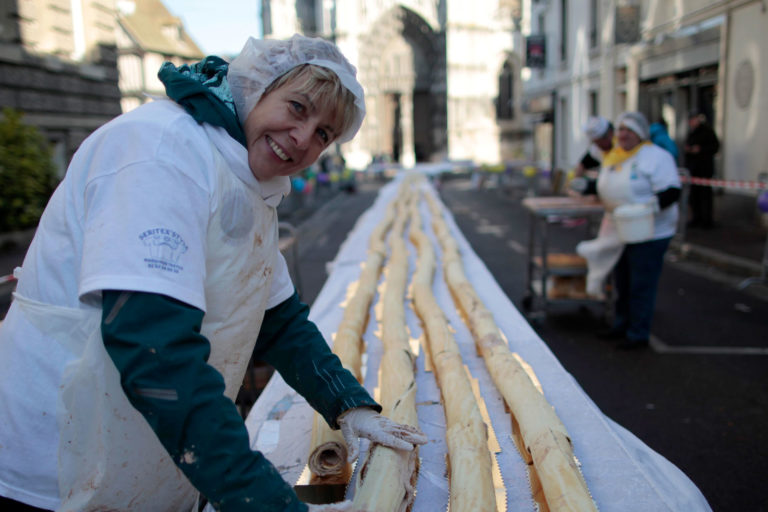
(403, 71)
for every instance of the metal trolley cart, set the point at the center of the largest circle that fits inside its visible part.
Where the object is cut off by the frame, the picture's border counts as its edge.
(557, 277)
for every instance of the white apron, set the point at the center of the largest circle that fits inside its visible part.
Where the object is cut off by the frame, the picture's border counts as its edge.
(108, 457)
(602, 253)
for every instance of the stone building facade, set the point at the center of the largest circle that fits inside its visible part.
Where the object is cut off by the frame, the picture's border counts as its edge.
(148, 35)
(71, 65)
(661, 58)
(440, 76)
(501, 80)
(58, 64)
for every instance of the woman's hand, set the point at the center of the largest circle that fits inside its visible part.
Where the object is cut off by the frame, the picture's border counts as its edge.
(365, 422)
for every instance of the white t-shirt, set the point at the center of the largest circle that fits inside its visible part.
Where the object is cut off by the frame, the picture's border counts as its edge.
(652, 169)
(104, 228)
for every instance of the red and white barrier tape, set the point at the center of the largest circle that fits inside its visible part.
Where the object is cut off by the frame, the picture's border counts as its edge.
(6, 279)
(740, 184)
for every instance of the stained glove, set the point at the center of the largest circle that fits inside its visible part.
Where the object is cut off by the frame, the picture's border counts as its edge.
(364, 422)
(341, 506)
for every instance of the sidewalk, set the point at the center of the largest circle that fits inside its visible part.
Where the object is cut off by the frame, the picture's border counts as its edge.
(736, 244)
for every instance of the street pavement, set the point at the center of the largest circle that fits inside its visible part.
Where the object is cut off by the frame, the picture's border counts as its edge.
(698, 395)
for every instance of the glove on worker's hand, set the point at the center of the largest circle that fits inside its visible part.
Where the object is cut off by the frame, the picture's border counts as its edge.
(365, 422)
(341, 506)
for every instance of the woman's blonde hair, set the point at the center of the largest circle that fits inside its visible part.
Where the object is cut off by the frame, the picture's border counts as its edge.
(323, 87)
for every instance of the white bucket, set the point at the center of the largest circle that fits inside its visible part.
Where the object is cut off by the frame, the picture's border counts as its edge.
(634, 222)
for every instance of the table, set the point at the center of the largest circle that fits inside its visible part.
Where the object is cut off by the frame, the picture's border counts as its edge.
(623, 474)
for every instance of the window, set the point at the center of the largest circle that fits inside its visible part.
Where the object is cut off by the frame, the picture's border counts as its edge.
(621, 101)
(593, 103)
(505, 105)
(593, 17)
(172, 31)
(563, 30)
(565, 130)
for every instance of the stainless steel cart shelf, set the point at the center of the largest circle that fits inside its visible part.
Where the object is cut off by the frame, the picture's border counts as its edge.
(543, 264)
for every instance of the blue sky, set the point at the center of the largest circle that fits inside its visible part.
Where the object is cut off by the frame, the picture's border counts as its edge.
(217, 29)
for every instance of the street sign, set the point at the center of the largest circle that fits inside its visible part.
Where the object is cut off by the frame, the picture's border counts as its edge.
(536, 51)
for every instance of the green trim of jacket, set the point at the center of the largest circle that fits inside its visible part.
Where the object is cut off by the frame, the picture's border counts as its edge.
(156, 345)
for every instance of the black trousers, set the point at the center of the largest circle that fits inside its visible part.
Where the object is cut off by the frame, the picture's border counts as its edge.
(701, 205)
(17, 506)
(637, 276)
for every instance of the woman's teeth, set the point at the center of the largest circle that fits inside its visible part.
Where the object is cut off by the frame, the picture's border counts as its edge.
(279, 152)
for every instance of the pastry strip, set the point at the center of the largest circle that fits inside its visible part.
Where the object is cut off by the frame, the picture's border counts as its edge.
(545, 439)
(328, 451)
(387, 478)
(470, 476)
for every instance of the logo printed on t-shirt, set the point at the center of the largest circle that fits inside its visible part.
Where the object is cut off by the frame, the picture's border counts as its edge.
(165, 248)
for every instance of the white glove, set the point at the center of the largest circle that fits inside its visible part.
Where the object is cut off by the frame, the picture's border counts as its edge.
(365, 422)
(341, 506)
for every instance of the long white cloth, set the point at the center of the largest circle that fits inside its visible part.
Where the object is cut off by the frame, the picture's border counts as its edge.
(602, 254)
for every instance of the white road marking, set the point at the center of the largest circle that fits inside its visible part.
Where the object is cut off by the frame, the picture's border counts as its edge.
(490, 229)
(516, 246)
(662, 348)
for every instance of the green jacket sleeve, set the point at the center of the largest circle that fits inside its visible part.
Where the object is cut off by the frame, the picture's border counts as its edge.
(156, 345)
(291, 343)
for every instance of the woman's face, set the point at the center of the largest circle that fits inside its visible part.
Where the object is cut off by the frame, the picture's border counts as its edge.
(286, 132)
(627, 138)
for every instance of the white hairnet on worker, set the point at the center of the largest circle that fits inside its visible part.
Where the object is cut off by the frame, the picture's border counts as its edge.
(596, 127)
(262, 61)
(636, 122)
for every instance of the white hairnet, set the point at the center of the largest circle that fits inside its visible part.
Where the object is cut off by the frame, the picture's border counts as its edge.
(596, 127)
(636, 122)
(262, 61)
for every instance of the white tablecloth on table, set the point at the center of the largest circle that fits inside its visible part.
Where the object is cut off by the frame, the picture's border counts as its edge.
(623, 474)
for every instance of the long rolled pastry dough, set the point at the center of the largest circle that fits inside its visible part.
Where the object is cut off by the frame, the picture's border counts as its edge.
(544, 436)
(328, 451)
(471, 480)
(387, 478)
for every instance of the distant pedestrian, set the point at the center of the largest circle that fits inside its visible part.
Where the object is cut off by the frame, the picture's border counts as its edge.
(701, 145)
(660, 137)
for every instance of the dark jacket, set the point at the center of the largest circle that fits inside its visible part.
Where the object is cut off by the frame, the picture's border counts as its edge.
(702, 164)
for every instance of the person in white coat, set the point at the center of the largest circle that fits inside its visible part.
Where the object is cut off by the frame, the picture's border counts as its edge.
(635, 172)
(154, 277)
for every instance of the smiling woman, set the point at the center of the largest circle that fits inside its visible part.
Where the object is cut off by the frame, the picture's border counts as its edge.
(299, 116)
(125, 352)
